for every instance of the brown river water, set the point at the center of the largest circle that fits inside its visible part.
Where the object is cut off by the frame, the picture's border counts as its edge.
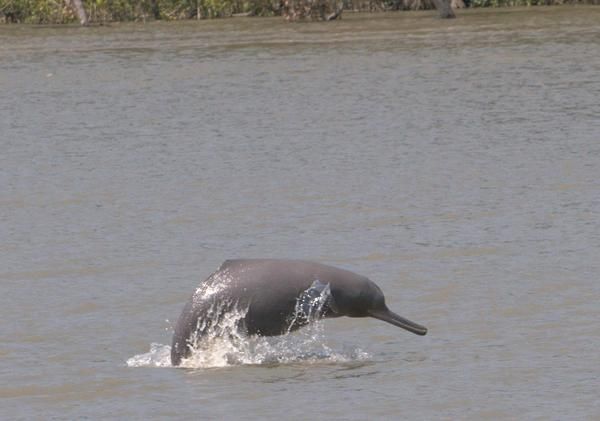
(455, 163)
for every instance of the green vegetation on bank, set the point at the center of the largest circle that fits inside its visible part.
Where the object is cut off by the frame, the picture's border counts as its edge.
(61, 11)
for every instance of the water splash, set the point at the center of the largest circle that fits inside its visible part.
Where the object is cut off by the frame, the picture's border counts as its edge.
(158, 356)
(310, 305)
(299, 347)
(216, 283)
(223, 344)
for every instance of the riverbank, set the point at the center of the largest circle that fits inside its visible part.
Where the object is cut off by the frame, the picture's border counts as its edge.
(104, 11)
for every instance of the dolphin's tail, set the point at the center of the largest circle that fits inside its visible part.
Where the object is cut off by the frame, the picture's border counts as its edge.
(186, 324)
(178, 352)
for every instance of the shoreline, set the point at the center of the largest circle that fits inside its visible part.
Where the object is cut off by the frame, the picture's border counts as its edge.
(63, 15)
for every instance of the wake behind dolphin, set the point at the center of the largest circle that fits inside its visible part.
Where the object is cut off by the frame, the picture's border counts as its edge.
(269, 297)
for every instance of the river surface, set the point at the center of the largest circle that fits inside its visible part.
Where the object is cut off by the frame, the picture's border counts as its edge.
(455, 163)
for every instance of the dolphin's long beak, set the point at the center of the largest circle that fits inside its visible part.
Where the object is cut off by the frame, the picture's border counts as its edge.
(391, 317)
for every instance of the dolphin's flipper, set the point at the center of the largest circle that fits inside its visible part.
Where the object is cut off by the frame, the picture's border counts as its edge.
(312, 303)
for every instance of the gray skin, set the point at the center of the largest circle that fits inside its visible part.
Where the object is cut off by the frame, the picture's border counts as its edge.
(270, 290)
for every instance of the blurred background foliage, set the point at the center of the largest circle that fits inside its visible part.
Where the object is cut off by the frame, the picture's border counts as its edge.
(58, 11)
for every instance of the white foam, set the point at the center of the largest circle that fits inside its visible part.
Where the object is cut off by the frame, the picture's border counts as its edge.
(299, 347)
(159, 356)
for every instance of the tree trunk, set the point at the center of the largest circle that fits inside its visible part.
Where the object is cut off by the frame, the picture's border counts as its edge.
(336, 14)
(444, 8)
(78, 6)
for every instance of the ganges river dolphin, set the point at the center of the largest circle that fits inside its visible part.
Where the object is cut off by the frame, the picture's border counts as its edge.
(274, 297)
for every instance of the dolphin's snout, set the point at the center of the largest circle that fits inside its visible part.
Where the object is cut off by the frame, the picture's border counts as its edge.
(391, 317)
